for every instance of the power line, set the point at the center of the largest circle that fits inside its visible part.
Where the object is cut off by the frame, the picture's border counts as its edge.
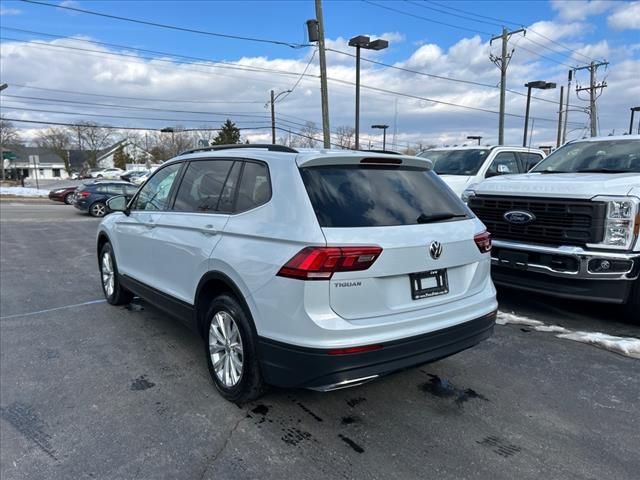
(301, 76)
(502, 21)
(170, 27)
(430, 20)
(111, 127)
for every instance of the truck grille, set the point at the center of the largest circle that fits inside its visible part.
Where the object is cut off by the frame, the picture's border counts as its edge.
(557, 221)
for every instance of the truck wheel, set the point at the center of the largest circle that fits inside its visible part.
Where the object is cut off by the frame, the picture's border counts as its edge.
(232, 353)
(632, 307)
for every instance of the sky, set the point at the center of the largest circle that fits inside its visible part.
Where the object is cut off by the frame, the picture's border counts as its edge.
(443, 88)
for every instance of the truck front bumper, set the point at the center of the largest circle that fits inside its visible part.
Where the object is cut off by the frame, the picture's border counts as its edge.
(565, 271)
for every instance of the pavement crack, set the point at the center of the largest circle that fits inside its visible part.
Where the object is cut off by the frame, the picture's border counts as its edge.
(213, 458)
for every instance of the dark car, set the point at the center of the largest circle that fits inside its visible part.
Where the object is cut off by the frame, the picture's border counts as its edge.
(92, 197)
(64, 194)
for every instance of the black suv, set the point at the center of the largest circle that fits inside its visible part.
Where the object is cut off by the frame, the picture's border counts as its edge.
(92, 197)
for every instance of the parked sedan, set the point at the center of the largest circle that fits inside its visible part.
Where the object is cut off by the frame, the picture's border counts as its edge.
(63, 195)
(133, 175)
(92, 197)
(111, 173)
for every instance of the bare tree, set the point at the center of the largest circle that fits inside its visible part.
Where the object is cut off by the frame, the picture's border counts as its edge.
(204, 137)
(345, 137)
(58, 141)
(8, 136)
(307, 137)
(94, 138)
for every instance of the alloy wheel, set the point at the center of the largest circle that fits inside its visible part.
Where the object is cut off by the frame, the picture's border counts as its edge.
(108, 275)
(225, 349)
(98, 210)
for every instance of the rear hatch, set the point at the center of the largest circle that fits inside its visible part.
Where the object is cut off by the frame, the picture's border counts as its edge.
(429, 256)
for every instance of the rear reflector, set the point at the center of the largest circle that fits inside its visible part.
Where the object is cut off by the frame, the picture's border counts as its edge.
(382, 161)
(483, 241)
(352, 350)
(320, 263)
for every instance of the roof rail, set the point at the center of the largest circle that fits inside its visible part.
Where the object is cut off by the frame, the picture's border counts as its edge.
(266, 146)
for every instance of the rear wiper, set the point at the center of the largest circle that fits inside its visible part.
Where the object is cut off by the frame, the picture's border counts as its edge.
(601, 170)
(437, 217)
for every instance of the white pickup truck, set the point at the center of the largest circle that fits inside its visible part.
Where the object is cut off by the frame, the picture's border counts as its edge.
(465, 166)
(570, 227)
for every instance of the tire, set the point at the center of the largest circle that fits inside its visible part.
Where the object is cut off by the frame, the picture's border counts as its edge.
(98, 209)
(68, 198)
(632, 307)
(230, 345)
(115, 293)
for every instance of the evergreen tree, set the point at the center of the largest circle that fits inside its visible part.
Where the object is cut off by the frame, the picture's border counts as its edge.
(229, 134)
(120, 158)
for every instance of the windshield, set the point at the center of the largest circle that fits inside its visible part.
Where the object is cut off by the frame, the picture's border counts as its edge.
(456, 162)
(609, 156)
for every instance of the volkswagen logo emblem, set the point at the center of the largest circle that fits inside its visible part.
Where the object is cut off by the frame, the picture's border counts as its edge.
(519, 217)
(435, 250)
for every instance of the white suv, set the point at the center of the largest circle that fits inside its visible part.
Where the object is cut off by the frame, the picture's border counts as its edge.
(319, 269)
(464, 167)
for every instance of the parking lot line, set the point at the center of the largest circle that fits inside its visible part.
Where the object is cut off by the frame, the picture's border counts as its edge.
(38, 312)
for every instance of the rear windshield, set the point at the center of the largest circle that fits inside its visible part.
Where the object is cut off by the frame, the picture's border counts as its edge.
(376, 196)
(456, 162)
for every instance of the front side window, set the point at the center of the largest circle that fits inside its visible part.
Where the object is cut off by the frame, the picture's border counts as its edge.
(208, 186)
(155, 193)
(375, 196)
(504, 164)
(607, 156)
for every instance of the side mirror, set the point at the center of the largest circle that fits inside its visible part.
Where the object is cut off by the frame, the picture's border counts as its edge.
(118, 204)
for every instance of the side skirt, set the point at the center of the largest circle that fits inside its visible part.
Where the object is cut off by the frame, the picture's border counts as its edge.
(167, 303)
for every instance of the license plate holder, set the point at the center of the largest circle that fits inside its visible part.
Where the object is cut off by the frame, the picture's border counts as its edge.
(429, 284)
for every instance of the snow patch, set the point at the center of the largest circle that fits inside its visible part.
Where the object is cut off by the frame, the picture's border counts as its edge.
(24, 192)
(628, 346)
(504, 318)
(623, 345)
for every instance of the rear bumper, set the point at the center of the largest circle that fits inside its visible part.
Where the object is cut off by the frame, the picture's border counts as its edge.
(81, 205)
(291, 366)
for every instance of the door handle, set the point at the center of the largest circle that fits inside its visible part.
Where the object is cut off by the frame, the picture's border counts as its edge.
(209, 230)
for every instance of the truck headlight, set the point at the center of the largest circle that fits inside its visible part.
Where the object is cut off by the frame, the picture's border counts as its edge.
(621, 223)
(468, 193)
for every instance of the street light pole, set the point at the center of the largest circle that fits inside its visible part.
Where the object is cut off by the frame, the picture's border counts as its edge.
(362, 41)
(2, 87)
(384, 135)
(539, 84)
(273, 113)
(474, 137)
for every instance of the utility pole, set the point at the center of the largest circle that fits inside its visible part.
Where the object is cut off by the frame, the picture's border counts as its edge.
(559, 138)
(593, 113)
(566, 108)
(502, 63)
(324, 92)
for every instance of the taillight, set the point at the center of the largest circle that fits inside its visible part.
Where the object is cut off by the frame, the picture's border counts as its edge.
(83, 194)
(483, 241)
(320, 263)
(352, 350)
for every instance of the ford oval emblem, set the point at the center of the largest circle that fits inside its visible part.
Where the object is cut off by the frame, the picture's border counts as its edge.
(519, 217)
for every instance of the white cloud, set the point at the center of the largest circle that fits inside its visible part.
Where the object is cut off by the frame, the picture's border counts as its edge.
(419, 121)
(9, 11)
(625, 17)
(580, 9)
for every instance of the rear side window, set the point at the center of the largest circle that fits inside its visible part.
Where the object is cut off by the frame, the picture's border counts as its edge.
(208, 185)
(375, 196)
(254, 189)
(504, 163)
(530, 160)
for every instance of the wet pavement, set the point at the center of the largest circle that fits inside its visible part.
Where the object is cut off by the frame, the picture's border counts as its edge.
(88, 390)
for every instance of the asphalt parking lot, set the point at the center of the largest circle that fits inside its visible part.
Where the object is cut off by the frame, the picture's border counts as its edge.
(94, 391)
